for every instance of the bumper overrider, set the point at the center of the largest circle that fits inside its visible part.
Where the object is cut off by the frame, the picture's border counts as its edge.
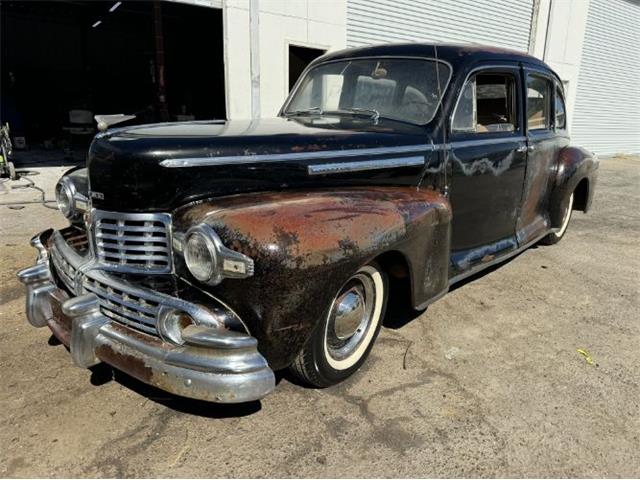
(214, 363)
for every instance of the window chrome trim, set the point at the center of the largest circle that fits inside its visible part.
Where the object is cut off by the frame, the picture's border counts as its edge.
(347, 167)
(473, 71)
(284, 157)
(312, 65)
(558, 88)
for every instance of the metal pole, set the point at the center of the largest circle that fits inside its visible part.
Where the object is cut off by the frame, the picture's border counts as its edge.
(254, 32)
(161, 98)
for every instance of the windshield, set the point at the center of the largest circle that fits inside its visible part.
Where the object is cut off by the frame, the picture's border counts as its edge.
(399, 89)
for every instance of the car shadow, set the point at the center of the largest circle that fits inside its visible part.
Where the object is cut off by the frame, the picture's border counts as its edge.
(399, 310)
(102, 374)
(398, 315)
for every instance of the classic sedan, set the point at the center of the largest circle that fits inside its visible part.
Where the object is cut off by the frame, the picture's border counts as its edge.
(201, 257)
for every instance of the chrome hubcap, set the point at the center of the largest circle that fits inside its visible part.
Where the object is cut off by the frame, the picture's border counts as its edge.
(349, 313)
(350, 317)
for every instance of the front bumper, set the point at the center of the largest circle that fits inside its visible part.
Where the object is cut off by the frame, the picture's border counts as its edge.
(214, 364)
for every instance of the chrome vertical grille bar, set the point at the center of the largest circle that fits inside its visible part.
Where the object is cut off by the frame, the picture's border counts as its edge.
(132, 242)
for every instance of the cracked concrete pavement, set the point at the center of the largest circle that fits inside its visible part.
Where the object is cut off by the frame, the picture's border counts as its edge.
(486, 382)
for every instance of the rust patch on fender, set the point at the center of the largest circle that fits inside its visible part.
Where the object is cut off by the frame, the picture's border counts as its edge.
(316, 228)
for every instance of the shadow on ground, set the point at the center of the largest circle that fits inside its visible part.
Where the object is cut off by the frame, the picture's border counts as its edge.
(103, 373)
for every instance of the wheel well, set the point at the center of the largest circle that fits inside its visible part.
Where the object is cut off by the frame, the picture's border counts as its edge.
(580, 195)
(395, 265)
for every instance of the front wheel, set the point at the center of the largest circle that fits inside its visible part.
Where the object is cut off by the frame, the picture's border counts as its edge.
(555, 237)
(341, 343)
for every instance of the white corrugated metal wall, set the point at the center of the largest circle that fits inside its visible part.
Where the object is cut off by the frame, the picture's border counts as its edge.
(503, 23)
(606, 118)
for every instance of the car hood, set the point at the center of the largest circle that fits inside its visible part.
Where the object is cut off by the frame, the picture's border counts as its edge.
(160, 167)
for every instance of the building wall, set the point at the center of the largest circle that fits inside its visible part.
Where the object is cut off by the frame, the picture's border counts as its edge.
(310, 23)
(552, 30)
(501, 23)
(557, 37)
(606, 119)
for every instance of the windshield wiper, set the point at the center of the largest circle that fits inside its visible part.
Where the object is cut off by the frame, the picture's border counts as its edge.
(307, 111)
(368, 112)
(372, 112)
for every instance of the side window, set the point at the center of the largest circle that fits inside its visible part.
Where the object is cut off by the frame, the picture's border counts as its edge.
(538, 103)
(561, 116)
(487, 104)
(465, 120)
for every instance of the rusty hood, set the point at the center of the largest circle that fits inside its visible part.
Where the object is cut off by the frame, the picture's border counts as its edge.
(160, 167)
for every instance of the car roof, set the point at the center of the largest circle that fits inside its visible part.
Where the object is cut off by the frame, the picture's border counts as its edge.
(457, 55)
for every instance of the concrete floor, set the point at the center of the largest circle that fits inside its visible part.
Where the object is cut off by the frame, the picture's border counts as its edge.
(487, 382)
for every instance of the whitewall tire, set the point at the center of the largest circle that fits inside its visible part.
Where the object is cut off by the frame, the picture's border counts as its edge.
(555, 237)
(341, 342)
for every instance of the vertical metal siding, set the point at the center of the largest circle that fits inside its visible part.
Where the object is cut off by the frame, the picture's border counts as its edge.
(606, 117)
(502, 23)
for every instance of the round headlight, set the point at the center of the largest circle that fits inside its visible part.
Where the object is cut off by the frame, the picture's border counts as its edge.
(171, 323)
(200, 256)
(64, 197)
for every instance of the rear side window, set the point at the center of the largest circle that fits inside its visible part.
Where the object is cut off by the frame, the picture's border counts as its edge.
(487, 104)
(561, 115)
(538, 103)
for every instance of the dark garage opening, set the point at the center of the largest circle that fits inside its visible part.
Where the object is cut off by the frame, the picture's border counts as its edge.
(299, 58)
(104, 58)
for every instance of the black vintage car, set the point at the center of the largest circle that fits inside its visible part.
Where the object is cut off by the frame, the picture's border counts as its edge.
(201, 257)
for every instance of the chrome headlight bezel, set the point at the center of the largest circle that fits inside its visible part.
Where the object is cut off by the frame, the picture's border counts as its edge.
(224, 262)
(71, 203)
(65, 192)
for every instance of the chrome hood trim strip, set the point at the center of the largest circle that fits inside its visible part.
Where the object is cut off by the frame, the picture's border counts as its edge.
(284, 157)
(359, 166)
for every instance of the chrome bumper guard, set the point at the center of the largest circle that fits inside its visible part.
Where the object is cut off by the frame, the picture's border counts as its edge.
(214, 364)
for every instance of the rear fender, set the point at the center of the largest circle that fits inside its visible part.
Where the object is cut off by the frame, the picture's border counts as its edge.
(306, 245)
(575, 164)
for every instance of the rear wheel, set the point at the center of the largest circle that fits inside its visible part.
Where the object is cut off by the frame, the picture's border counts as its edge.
(555, 237)
(341, 343)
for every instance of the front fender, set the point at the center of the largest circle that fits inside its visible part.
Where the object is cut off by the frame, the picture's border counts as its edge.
(306, 245)
(575, 164)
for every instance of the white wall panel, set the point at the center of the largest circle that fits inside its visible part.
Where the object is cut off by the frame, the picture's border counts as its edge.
(503, 23)
(606, 117)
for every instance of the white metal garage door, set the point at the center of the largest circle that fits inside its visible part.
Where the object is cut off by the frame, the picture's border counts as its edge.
(503, 23)
(606, 117)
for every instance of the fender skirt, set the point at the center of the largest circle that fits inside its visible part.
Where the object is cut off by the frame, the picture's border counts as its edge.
(306, 245)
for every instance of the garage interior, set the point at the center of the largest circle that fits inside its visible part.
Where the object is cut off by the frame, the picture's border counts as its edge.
(65, 61)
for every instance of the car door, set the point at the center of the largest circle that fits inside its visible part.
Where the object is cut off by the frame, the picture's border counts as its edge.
(487, 156)
(543, 145)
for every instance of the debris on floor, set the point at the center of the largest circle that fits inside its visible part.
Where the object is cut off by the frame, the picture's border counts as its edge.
(586, 356)
(451, 353)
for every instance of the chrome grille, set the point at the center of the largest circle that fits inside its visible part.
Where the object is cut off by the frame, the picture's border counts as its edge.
(76, 238)
(134, 311)
(64, 269)
(133, 242)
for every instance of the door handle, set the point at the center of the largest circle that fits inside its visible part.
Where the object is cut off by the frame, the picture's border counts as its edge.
(525, 148)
